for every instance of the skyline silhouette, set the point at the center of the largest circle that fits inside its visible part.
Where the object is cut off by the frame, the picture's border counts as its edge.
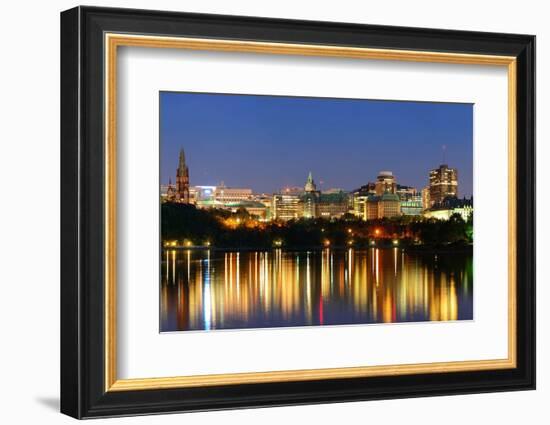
(270, 142)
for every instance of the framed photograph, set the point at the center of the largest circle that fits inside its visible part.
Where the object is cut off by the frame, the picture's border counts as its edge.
(261, 212)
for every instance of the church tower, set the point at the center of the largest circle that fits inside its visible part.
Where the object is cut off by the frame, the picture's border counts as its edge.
(310, 184)
(182, 180)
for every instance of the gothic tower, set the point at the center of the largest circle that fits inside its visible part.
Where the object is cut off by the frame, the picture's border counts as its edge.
(310, 184)
(310, 198)
(182, 180)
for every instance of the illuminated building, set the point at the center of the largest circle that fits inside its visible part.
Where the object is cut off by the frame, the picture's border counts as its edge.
(310, 199)
(182, 180)
(359, 198)
(227, 195)
(449, 206)
(286, 206)
(358, 206)
(443, 183)
(405, 192)
(385, 183)
(426, 198)
(203, 196)
(309, 203)
(412, 206)
(310, 184)
(203, 193)
(170, 191)
(385, 206)
(333, 204)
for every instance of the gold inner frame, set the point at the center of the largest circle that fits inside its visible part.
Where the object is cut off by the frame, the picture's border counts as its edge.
(113, 41)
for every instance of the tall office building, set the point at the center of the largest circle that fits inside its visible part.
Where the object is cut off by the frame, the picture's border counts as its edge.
(385, 183)
(443, 183)
(182, 180)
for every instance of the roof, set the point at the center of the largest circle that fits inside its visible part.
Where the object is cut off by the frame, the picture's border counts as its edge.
(389, 197)
(246, 204)
(385, 197)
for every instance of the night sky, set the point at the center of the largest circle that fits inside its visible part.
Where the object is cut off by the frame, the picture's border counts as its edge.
(270, 142)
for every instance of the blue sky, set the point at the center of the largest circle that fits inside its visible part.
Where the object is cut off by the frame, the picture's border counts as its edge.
(270, 142)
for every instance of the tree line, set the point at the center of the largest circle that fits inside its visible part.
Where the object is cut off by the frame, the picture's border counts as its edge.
(225, 229)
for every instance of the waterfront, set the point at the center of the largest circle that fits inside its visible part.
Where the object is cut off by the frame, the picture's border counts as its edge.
(205, 289)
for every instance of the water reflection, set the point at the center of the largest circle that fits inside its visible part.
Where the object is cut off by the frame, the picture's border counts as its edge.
(206, 289)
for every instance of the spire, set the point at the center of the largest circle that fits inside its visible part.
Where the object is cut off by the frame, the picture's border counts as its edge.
(181, 165)
(310, 184)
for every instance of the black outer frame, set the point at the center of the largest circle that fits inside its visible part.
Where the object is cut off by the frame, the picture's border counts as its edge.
(82, 212)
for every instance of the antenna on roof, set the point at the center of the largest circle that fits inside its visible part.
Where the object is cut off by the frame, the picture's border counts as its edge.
(444, 151)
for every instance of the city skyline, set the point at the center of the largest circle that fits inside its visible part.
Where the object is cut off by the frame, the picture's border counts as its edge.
(275, 141)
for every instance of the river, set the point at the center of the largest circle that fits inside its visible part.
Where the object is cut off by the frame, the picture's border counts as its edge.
(209, 289)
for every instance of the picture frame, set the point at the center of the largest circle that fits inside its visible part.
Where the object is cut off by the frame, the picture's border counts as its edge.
(90, 40)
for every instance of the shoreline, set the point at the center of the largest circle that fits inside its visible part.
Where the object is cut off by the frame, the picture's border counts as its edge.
(416, 249)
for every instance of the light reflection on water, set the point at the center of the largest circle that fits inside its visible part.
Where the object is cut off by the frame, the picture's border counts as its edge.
(207, 289)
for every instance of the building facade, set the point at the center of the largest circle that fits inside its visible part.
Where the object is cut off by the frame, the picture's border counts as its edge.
(385, 206)
(412, 206)
(405, 193)
(426, 198)
(286, 207)
(385, 183)
(449, 206)
(310, 199)
(358, 199)
(231, 195)
(443, 183)
(333, 205)
(309, 203)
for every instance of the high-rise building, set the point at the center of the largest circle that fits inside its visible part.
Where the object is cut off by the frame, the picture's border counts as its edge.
(385, 183)
(182, 180)
(443, 183)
